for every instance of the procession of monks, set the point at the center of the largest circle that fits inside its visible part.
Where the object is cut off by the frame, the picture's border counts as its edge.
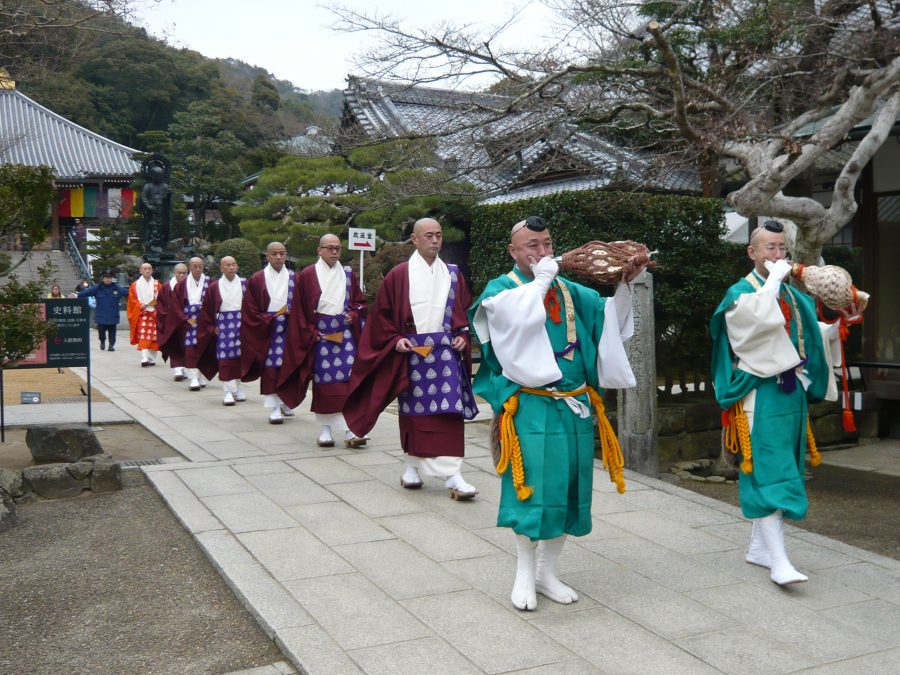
(291, 329)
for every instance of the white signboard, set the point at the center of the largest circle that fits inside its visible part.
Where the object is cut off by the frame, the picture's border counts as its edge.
(361, 239)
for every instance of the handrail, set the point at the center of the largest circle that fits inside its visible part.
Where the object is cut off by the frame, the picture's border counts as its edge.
(873, 364)
(77, 260)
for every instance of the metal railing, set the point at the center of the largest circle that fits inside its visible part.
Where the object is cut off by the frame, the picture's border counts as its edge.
(77, 260)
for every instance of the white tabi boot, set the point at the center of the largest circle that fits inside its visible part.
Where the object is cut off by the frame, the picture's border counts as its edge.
(782, 571)
(239, 396)
(757, 553)
(326, 440)
(178, 374)
(523, 593)
(460, 490)
(287, 411)
(273, 403)
(229, 397)
(194, 384)
(410, 478)
(145, 358)
(546, 581)
(351, 440)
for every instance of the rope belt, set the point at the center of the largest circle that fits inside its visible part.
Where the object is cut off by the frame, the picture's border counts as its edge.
(511, 450)
(737, 437)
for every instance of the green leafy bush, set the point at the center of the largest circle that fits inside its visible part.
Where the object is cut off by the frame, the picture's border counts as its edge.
(245, 252)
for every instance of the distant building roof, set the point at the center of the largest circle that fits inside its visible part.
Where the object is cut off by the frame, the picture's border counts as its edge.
(502, 154)
(33, 135)
(311, 143)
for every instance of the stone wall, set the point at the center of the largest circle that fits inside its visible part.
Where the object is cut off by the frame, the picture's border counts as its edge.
(691, 431)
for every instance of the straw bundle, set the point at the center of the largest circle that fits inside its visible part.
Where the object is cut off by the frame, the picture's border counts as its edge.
(606, 262)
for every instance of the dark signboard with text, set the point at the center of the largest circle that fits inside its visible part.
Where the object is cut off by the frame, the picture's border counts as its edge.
(69, 347)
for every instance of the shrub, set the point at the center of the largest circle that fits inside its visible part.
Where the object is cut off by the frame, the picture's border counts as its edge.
(245, 252)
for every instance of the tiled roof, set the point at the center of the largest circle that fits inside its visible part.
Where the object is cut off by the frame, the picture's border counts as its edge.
(32, 135)
(475, 138)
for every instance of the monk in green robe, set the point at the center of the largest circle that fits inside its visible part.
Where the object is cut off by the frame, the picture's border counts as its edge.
(542, 339)
(769, 362)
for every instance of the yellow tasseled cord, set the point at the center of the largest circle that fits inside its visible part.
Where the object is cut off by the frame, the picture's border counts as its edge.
(737, 435)
(814, 457)
(610, 450)
(510, 450)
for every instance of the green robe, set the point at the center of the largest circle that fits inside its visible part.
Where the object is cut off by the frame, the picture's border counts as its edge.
(557, 445)
(778, 437)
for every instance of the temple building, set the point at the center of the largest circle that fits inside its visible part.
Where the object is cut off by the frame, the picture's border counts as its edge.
(93, 175)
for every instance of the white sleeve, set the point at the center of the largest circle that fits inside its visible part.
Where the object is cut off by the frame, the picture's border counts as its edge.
(613, 369)
(756, 333)
(831, 339)
(513, 323)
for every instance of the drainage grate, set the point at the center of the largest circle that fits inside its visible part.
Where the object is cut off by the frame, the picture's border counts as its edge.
(134, 463)
(67, 399)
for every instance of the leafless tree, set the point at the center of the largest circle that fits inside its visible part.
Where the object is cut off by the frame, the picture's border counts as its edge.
(767, 88)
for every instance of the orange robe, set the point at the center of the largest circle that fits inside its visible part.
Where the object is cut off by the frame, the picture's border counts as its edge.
(142, 322)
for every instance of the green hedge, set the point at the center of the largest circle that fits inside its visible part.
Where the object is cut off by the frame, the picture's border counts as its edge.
(695, 265)
(245, 252)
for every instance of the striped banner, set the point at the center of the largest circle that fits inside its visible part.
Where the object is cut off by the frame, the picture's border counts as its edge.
(91, 202)
(128, 200)
(65, 210)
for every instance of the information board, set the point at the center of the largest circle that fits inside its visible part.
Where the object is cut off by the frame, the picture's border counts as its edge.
(71, 344)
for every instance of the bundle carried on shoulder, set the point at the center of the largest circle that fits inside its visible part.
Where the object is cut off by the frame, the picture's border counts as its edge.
(606, 262)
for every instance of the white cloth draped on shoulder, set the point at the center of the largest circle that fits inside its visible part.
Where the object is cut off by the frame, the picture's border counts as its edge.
(428, 289)
(195, 289)
(333, 283)
(146, 291)
(513, 322)
(756, 333)
(277, 287)
(232, 294)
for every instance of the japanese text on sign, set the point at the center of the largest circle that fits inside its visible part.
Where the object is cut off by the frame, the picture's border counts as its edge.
(361, 239)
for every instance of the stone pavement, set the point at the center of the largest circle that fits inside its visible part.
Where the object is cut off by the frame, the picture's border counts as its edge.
(350, 573)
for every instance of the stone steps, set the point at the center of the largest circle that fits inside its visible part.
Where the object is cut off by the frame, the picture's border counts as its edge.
(67, 275)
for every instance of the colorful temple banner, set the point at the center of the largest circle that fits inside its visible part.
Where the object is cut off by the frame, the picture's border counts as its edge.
(91, 202)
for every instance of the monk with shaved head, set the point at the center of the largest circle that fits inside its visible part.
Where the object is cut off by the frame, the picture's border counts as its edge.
(172, 350)
(265, 331)
(219, 331)
(331, 312)
(769, 363)
(415, 348)
(187, 301)
(141, 310)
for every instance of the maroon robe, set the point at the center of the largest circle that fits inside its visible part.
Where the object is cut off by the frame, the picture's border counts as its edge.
(228, 369)
(381, 373)
(177, 314)
(256, 335)
(166, 328)
(299, 364)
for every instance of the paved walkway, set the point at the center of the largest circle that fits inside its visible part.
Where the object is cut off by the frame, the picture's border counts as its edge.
(350, 573)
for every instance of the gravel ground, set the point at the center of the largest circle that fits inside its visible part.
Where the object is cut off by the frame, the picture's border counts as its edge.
(112, 583)
(856, 507)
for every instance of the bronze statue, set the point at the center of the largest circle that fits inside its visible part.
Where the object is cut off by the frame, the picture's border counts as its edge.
(156, 205)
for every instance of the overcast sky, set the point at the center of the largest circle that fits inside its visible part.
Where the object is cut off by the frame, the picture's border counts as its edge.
(293, 41)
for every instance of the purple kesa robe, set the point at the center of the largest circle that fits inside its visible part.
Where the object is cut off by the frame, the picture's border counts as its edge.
(261, 358)
(300, 365)
(169, 329)
(381, 374)
(219, 337)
